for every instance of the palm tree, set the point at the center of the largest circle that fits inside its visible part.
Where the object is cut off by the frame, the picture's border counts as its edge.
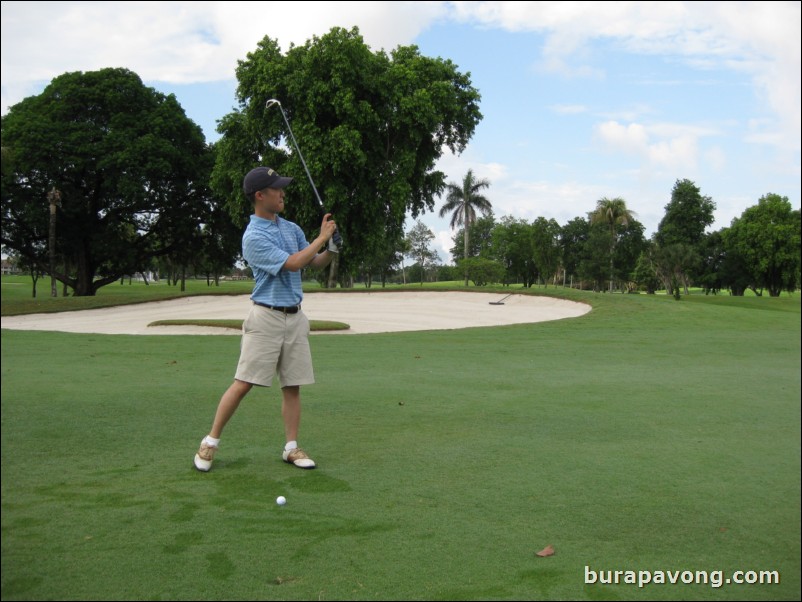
(463, 201)
(612, 212)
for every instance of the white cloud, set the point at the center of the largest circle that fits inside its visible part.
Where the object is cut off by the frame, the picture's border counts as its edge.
(630, 138)
(661, 145)
(168, 41)
(759, 38)
(444, 243)
(678, 153)
(561, 201)
(184, 42)
(179, 42)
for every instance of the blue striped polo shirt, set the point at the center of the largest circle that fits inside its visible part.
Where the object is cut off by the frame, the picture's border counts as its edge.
(266, 245)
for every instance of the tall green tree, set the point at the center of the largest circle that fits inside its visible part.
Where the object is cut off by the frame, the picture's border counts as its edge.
(130, 167)
(462, 202)
(514, 248)
(418, 242)
(631, 243)
(645, 272)
(546, 243)
(371, 126)
(712, 260)
(687, 216)
(594, 265)
(613, 213)
(733, 271)
(573, 236)
(767, 237)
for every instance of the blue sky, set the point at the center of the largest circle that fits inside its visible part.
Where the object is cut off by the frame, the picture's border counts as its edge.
(580, 100)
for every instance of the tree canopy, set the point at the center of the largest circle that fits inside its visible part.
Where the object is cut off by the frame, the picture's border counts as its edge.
(766, 238)
(418, 241)
(370, 125)
(613, 213)
(131, 169)
(687, 216)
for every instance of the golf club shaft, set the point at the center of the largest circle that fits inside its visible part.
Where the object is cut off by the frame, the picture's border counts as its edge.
(269, 104)
(337, 238)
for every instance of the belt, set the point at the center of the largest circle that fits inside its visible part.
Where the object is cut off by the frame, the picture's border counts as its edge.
(293, 309)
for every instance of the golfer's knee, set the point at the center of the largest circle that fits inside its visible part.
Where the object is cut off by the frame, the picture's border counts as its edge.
(241, 386)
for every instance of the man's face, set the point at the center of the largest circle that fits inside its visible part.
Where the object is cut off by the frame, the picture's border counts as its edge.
(271, 199)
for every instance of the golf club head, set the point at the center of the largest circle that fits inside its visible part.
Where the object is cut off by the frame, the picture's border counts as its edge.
(272, 102)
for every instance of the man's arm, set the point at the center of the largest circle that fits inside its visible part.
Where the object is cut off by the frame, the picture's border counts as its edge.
(321, 260)
(309, 255)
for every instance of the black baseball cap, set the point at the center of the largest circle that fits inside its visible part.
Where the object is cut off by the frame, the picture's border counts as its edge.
(260, 178)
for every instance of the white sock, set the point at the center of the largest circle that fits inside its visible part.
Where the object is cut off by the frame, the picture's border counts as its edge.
(211, 441)
(290, 445)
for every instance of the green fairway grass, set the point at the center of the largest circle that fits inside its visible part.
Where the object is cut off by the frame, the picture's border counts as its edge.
(17, 294)
(646, 435)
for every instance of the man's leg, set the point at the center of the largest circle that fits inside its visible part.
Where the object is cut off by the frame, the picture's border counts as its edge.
(291, 412)
(229, 403)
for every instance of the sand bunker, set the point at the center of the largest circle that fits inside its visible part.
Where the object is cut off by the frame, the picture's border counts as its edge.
(364, 312)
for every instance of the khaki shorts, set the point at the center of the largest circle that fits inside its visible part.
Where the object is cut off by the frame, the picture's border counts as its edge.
(273, 341)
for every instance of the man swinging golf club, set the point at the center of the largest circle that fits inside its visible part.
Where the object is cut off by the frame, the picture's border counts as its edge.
(275, 333)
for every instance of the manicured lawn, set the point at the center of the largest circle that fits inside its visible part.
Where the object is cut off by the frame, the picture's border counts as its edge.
(648, 434)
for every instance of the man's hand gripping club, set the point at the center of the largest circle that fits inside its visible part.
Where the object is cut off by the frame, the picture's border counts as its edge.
(328, 229)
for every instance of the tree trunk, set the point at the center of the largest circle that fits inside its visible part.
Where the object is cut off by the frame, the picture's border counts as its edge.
(84, 277)
(466, 251)
(332, 280)
(54, 196)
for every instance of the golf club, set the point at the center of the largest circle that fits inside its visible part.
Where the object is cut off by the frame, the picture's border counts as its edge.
(272, 102)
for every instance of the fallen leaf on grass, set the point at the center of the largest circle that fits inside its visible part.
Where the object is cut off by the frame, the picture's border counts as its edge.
(547, 551)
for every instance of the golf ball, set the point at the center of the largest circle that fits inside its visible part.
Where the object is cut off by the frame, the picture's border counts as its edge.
(281, 500)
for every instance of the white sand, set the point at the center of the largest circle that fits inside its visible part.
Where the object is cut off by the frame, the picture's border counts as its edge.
(365, 312)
